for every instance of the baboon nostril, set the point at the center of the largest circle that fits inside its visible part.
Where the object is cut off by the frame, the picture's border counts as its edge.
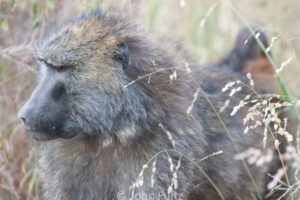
(22, 116)
(23, 119)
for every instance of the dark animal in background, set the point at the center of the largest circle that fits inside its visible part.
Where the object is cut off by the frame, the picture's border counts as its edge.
(248, 57)
(104, 107)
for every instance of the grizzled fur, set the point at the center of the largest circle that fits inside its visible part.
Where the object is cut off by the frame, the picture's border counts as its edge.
(106, 119)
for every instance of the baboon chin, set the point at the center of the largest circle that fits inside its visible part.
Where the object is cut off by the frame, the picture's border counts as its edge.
(128, 115)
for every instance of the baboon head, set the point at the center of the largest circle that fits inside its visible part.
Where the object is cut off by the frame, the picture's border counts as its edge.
(81, 81)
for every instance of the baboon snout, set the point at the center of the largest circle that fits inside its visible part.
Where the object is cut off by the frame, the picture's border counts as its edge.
(46, 111)
(24, 114)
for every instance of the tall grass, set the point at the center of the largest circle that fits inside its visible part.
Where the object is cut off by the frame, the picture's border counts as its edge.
(207, 27)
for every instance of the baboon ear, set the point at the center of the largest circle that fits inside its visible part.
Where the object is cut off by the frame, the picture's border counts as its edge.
(247, 45)
(123, 55)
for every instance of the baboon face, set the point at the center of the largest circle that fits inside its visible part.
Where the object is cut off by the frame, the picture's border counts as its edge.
(81, 82)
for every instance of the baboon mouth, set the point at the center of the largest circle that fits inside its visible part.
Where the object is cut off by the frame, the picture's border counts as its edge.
(39, 136)
(44, 136)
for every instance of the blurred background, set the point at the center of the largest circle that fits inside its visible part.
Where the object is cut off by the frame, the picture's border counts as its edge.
(207, 27)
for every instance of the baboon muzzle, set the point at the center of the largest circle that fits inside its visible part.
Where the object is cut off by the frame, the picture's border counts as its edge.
(45, 113)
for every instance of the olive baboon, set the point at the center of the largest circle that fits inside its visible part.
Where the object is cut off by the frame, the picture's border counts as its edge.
(126, 114)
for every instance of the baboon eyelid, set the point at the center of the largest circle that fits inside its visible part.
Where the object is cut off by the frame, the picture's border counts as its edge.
(51, 65)
(45, 62)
